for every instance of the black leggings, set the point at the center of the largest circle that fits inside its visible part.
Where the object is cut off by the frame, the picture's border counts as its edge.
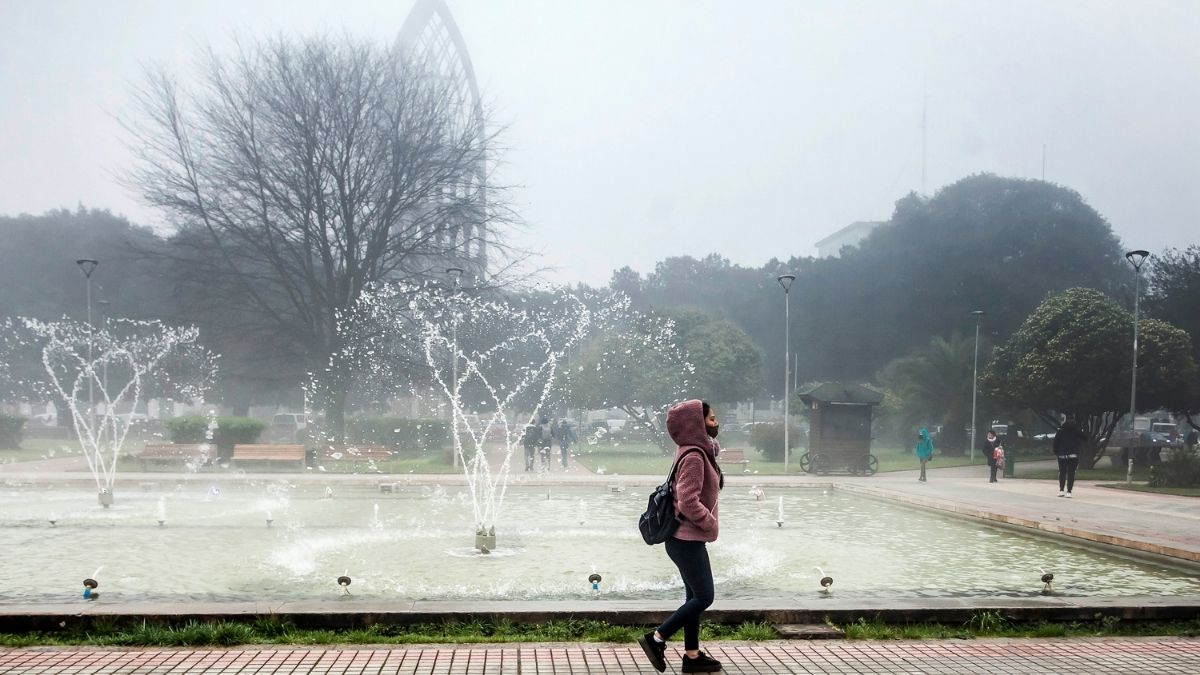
(1066, 472)
(691, 557)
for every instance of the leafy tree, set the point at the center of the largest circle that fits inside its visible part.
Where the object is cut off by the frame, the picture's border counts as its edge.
(984, 242)
(301, 172)
(1174, 296)
(728, 365)
(932, 386)
(639, 370)
(41, 280)
(1072, 356)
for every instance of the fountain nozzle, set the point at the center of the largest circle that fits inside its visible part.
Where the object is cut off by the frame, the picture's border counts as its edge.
(89, 589)
(344, 582)
(595, 579)
(826, 580)
(1048, 579)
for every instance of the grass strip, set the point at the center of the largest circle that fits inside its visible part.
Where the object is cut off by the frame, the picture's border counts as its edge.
(277, 632)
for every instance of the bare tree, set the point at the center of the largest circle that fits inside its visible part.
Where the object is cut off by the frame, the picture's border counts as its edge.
(300, 172)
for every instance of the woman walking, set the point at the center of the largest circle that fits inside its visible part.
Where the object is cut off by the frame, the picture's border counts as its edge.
(693, 427)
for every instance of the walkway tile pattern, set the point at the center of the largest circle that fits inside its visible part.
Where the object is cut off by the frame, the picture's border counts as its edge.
(1134, 656)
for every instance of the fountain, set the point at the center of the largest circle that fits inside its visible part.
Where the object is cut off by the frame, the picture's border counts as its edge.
(500, 354)
(112, 365)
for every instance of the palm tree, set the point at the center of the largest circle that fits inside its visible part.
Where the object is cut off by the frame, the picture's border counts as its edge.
(932, 386)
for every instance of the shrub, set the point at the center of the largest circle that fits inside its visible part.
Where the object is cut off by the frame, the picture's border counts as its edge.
(230, 431)
(12, 430)
(1181, 468)
(399, 432)
(768, 439)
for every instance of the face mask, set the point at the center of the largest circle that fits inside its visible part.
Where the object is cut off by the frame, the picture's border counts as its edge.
(712, 431)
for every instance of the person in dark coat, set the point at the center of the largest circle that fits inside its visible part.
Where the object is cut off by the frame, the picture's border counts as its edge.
(698, 481)
(1069, 442)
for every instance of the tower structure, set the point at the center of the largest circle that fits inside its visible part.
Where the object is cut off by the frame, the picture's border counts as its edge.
(431, 36)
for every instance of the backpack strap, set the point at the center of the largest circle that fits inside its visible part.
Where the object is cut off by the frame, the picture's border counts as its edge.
(675, 465)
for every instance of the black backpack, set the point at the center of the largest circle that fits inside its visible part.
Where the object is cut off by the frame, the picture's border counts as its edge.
(658, 523)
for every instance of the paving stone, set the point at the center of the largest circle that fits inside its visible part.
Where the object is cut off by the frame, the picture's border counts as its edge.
(1121, 656)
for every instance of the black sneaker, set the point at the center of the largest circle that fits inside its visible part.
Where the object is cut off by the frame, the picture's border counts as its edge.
(701, 664)
(655, 651)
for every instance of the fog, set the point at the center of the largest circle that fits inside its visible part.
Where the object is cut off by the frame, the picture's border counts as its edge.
(636, 130)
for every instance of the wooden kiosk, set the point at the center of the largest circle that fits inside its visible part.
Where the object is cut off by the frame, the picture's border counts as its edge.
(839, 437)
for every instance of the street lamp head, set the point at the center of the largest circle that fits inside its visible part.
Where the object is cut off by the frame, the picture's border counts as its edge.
(785, 280)
(1136, 258)
(978, 313)
(87, 266)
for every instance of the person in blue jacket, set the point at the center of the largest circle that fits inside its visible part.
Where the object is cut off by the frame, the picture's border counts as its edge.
(924, 450)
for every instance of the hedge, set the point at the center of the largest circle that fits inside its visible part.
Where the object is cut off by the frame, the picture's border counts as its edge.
(1180, 468)
(230, 431)
(399, 432)
(12, 430)
(768, 439)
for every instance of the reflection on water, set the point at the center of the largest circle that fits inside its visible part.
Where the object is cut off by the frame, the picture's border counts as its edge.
(417, 544)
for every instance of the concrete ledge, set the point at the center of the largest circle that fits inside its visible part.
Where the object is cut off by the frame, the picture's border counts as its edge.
(1057, 528)
(327, 614)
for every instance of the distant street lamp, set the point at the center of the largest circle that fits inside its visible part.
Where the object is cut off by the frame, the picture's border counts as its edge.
(1135, 258)
(455, 274)
(105, 309)
(785, 281)
(978, 314)
(87, 266)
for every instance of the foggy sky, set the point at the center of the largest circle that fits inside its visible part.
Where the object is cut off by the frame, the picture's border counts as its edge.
(638, 130)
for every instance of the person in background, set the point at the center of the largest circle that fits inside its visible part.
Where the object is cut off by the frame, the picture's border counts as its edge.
(1068, 443)
(924, 450)
(566, 436)
(990, 443)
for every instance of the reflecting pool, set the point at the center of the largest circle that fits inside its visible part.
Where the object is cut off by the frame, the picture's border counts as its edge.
(416, 543)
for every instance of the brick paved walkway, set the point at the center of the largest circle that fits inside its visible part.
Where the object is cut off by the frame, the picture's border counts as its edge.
(1132, 656)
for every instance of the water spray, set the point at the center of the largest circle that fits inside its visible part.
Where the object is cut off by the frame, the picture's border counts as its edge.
(779, 517)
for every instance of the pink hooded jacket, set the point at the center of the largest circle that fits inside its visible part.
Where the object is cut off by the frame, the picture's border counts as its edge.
(697, 480)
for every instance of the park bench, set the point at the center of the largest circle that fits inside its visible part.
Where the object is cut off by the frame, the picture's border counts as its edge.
(735, 456)
(263, 455)
(162, 454)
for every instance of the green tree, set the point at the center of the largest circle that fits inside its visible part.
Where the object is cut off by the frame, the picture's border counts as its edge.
(1072, 356)
(1174, 296)
(638, 368)
(932, 386)
(729, 367)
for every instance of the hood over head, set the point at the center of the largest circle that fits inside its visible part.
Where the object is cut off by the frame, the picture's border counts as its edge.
(1070, 423)
(685, 425)
(924, 433)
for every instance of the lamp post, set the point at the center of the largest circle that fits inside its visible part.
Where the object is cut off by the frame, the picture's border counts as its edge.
(87, 266)
(785, 282)
(455, 274)
(1135, 258)
(978, 314)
